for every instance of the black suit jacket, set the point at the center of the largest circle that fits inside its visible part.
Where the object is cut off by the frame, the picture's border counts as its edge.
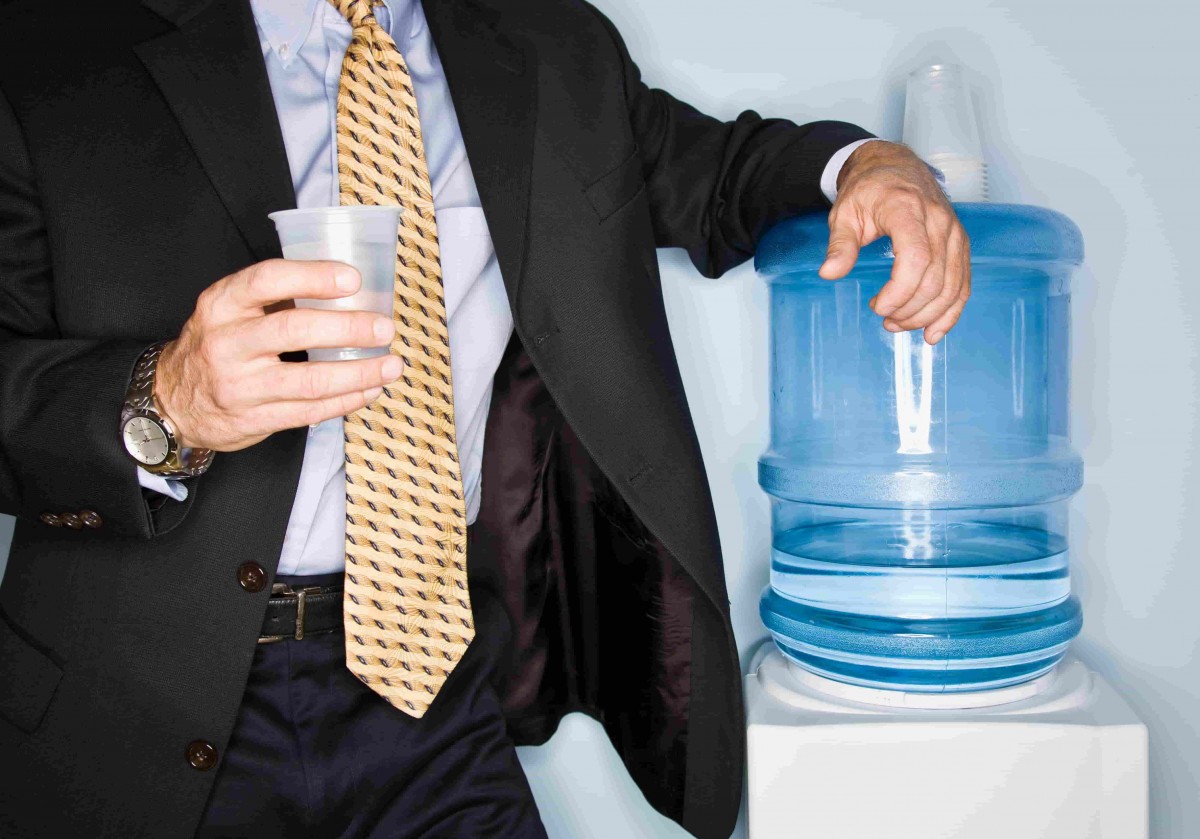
(139, 157)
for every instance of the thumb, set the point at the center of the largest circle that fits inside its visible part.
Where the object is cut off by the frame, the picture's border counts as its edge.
(844, 243)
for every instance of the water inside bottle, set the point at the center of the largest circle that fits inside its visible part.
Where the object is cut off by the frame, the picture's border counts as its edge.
(921, 570)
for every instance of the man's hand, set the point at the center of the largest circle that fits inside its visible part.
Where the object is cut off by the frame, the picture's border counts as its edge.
(221, 382)
(884, 189)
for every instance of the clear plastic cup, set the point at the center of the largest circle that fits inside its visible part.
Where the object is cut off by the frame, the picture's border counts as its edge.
(363, 237)
(940, 126)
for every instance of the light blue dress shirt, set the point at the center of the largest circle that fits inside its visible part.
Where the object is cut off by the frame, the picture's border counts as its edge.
(303, 43)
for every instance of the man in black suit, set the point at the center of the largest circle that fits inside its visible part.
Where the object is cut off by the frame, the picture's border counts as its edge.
(140, 152)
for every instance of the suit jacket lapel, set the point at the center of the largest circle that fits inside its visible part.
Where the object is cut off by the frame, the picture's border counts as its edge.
(493, 83)
(210, 70)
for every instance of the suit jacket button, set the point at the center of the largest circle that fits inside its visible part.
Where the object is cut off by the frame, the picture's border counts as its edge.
(252, 577)
(51, 519)
(71, 520)
(202, 755)
(91, 518)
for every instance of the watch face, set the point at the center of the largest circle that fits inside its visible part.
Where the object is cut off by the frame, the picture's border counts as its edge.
(146, 441)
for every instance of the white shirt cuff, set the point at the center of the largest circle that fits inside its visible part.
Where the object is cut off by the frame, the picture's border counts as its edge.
(833, 168)
(172, 488)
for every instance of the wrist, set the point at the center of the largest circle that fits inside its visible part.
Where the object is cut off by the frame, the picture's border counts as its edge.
(166, 394)
(149, 434)
(869, 155)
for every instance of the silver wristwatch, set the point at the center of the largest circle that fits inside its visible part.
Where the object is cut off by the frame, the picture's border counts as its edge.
(149, 437)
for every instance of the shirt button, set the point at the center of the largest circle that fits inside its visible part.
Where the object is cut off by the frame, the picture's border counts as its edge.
(284, 51)
(51, 519)
(91, 518)
(201, 754)
(72, 521)
(252, 577)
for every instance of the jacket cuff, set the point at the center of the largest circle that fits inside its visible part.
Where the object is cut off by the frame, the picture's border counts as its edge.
(68, 457)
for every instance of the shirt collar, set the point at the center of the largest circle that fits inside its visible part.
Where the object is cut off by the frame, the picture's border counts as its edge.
(284, 24)
(400, 21)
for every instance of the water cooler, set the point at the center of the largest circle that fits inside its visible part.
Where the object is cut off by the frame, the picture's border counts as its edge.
(920, 604)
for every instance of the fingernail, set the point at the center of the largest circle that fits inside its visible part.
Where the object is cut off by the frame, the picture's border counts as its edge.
(934, 337)
(893, 327)
(392, 368)
(373, 394)
(383, 329)
(346, 279)
(885, 310)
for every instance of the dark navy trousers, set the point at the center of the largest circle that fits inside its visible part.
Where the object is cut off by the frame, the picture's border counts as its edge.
(315, 754)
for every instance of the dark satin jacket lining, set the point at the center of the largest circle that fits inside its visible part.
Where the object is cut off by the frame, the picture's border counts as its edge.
(600, 612)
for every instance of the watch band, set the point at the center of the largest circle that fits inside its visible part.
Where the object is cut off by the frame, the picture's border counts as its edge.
(139, 401)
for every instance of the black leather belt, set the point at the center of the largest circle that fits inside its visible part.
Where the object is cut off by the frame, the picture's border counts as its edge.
(298, 613)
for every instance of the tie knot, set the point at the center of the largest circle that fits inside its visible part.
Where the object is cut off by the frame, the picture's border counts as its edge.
(357, 11)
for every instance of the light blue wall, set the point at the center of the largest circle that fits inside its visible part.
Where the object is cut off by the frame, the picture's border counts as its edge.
(1091, 109)
(5, 537)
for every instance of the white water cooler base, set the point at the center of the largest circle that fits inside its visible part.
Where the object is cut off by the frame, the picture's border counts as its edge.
(1067, 763)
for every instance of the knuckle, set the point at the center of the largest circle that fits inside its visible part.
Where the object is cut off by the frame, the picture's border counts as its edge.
(314, 383)
(361, 376)
(223, 393)
(918, 254)
(313, 412)
(362, 328)
(924, 297)
(372, 376)
(909, 197)
(212, 348)
(262, 277)
(291, 326)
(206, 303)
(934, 282)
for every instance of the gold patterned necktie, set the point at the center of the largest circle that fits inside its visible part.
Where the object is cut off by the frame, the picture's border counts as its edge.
(407, 610)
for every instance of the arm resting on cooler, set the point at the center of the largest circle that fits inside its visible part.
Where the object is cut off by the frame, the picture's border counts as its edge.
(715, 187)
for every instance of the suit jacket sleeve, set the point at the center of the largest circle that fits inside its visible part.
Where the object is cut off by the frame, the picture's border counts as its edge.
(60, 395)
(715, 187)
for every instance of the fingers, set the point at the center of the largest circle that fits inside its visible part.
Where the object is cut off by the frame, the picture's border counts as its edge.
(937, 330)
(276, 416)
(914, 257)
(304, 329)
(845, 240)
(933, 282)
(323, 380)
(269, 282)
(941, 287)
(930, 280)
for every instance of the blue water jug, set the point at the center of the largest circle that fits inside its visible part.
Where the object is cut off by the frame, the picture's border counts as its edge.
(919, 494)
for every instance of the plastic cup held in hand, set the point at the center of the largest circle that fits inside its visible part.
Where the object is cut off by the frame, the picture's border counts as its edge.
(362, 237)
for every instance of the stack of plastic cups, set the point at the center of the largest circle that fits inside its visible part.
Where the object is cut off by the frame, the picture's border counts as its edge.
(939, 125)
